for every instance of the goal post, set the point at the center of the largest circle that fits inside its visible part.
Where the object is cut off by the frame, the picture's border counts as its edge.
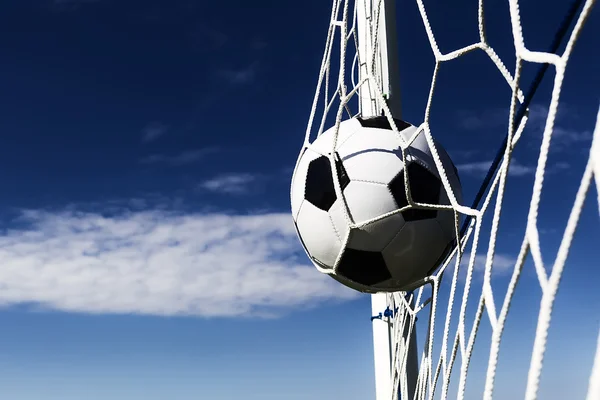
(378, 57)
(382, 346)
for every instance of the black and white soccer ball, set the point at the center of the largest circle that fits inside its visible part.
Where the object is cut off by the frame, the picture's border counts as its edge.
(376, 255)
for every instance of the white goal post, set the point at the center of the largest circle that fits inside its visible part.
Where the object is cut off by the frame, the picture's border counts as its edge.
(366, 76)
(377, 44)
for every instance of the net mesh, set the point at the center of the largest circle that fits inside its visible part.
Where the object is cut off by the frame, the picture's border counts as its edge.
(448, 343)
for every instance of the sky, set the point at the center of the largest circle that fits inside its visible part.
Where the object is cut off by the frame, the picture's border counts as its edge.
(146, 244)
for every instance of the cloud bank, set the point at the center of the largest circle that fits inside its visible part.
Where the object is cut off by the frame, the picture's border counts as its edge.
(160, 263)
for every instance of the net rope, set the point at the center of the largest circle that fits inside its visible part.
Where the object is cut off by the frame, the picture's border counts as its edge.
(364, 78)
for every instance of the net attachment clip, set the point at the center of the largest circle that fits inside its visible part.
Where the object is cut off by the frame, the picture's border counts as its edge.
(388, 312)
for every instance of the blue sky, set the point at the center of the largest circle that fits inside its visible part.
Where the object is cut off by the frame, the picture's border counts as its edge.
(146, 245)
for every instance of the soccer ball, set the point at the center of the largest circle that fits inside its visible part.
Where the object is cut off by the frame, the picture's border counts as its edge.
(375, 254)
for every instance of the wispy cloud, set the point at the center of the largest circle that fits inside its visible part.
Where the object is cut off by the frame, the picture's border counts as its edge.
(516, 169)
(462, 154)
(241, 76)
(481, 168)
(153, 131)
(562, 135)
(241, 183)
(547, 231)
(160, 263)
(567, 131)
(183, 158)
(502, 267)
(72, 4)
(567, 137)
(502, 264)
(490, 118)
(558, 167)
(204, 35)
(60, 2)
(258, 44)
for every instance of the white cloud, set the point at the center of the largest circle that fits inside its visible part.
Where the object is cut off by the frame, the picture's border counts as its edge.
(231, 183)
(487, 119)
(481, 168)
(183, 158)
(160, 263)
(153, 131)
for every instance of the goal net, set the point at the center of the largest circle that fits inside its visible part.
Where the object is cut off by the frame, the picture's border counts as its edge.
(482, 312)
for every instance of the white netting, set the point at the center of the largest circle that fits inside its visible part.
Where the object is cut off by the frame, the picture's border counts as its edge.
(342, 80)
